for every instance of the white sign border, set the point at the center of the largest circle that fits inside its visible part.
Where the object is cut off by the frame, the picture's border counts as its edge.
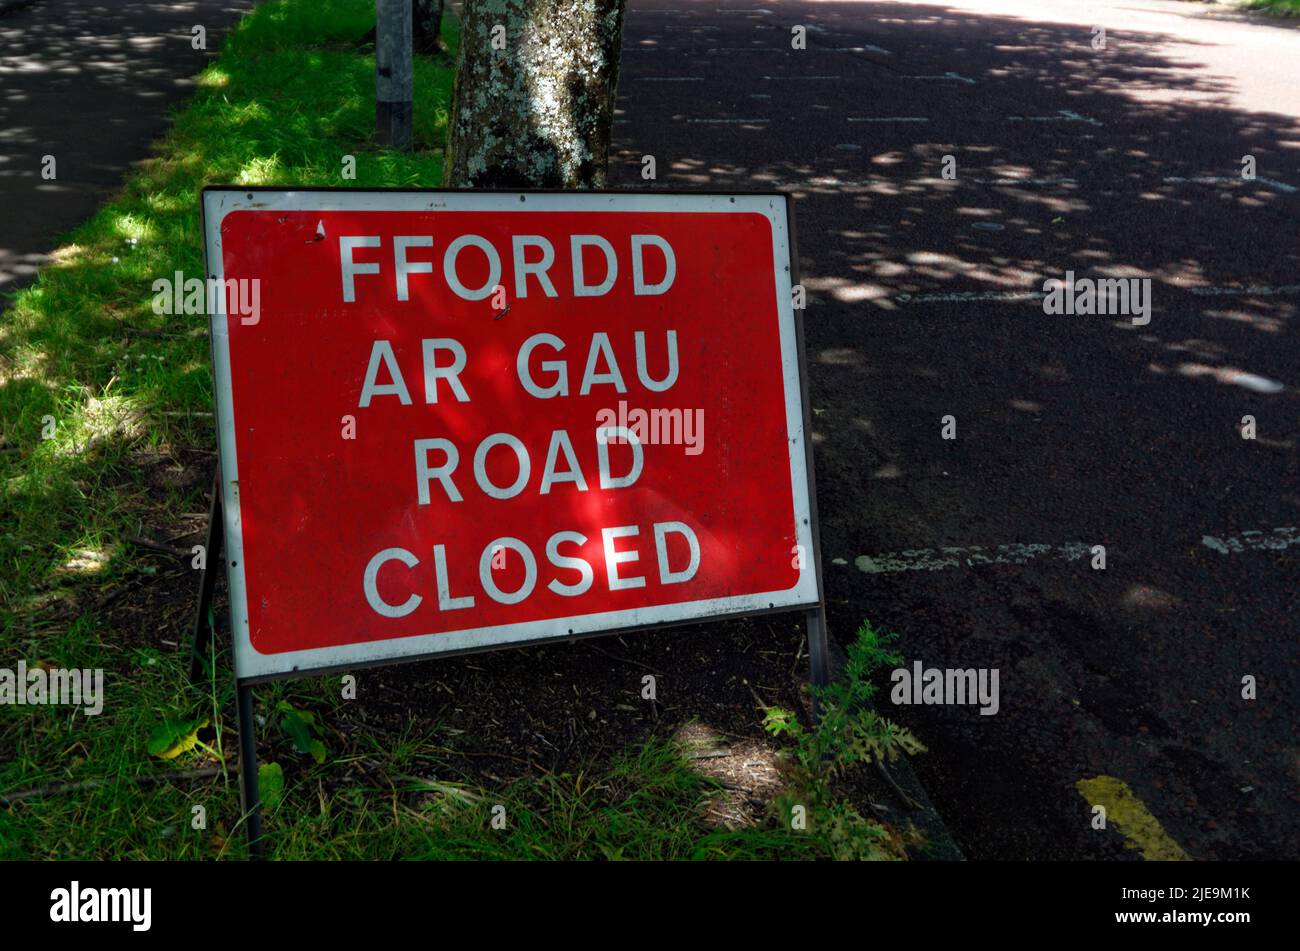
(251, 665)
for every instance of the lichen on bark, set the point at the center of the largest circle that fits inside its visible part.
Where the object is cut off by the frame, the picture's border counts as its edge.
(534, 109)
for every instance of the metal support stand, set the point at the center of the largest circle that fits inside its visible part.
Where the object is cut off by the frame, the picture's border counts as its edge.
(200, 647)
(250, 799)
(201, 640)
(819, 660)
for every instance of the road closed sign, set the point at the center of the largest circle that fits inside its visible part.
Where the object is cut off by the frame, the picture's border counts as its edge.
(451, 421)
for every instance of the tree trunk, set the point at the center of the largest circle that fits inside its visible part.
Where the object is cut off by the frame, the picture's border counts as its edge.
(535, 89)
(426, 26)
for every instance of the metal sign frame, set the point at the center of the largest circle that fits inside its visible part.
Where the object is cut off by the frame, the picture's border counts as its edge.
(254, 666)
(224, 529)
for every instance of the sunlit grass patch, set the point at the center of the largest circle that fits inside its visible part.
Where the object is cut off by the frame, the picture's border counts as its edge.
(93, 381)
(292, 94)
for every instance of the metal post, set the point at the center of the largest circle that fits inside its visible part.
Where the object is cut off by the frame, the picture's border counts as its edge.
(202, 634)
(250, 800)
(393, 73)
(818, 652)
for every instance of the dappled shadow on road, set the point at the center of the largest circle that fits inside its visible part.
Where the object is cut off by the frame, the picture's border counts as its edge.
(90, 85)
(926, 300)
(1115, 163)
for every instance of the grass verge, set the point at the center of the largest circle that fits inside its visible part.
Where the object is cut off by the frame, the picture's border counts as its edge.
(1282, 8)
(107, 437)
(92, 382)
(1289, 8)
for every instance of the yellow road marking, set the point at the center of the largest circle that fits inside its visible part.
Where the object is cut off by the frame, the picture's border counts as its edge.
(1140, 829)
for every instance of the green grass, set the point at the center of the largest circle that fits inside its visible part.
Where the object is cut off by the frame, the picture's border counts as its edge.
(374, 799)
(84, 360)
(95, 390)
(645, 806)
(1287, 8)
(372, 794)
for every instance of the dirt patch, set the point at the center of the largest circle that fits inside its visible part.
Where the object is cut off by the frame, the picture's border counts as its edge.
(748, 770)
(559, 707)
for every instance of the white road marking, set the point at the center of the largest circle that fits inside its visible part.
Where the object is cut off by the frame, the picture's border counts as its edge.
(1230, 180)
(969, 296)
(728, 121)
(1276, 540)
(865, 48)
(1251, 290)
(1063, 115)
(973, 556)
(888, 119)
(670, 79)
(934, 559)
(945, 76)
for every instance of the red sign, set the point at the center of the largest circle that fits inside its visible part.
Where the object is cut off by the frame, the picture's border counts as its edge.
(451, 421)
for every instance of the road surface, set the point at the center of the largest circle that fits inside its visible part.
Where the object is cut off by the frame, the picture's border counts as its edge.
(90, 84)
(1072, 431)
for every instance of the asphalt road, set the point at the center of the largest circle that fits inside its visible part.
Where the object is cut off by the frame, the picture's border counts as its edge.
(90, 84)
(1071, 431)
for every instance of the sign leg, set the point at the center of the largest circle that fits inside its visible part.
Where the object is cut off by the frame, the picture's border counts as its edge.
(818, 651)
(250, 799)
(202, 634)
